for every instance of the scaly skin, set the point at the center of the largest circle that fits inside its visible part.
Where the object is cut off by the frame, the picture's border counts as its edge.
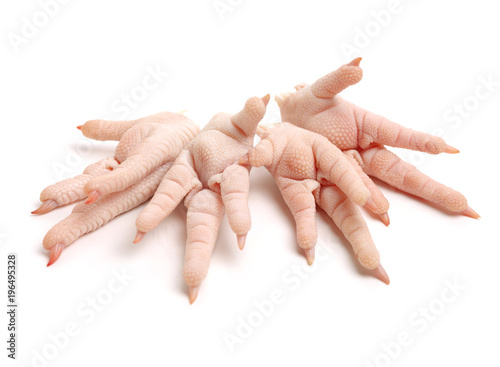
(362, 135)
(310, 170)
(206, 173)
(146, 150)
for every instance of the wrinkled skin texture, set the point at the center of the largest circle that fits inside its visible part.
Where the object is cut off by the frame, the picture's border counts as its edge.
(146, 150)
(308, 170)
(362, 135)
(327, 163)
(208, 175)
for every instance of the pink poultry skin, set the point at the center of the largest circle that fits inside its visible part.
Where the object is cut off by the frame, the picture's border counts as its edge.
(206, 173)
(362, 135)
(146, 150)
(310, 170)
(325, 160)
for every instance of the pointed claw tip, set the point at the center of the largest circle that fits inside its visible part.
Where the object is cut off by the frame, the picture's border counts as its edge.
(46, 207)
(266, 99)
(451, 150)
(241, 241)
(79, 127)
(355, 62)
(469, 212)
(55, 252)
(381, 274)
(139, 236)
(93, 196)
(309, 255)
(193, 294)
(385, 218)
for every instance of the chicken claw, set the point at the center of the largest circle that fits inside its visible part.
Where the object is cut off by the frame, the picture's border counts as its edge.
(318, 108)
(144, 145)
(206, 173)
(112, 186)
(310, 170)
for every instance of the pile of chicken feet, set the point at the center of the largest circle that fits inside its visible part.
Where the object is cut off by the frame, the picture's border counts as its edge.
(323, 153)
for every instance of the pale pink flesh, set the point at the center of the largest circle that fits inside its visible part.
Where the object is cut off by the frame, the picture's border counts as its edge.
(377, 203)
(310, 170)
(234, 188)
(207, 174)
(204, 214)
(71, 190)
(99, 208)
(318, 108)
(388, 167)
(141, 149)
(219, 183)
(86, 218)
(348, 218)
(144, 145)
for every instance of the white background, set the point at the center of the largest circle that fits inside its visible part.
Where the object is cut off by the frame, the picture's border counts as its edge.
(425, 60)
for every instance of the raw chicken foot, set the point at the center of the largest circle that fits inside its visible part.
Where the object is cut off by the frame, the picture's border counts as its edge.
(362, 135)
(308, 170)
(146, 150)
(206, 173)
